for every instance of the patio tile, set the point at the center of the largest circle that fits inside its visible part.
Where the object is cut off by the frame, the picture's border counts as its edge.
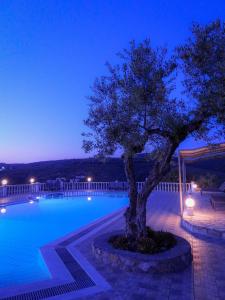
(205, 281)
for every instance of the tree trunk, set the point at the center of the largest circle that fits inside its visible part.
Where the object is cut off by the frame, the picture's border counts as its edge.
(141, 216)
(130, 214)
(136, 212)
(136, 223)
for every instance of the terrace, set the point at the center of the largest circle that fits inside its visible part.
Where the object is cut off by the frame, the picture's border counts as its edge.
(206, 217)
(93, 279)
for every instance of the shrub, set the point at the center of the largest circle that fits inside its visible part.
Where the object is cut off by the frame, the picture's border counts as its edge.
(154, 242)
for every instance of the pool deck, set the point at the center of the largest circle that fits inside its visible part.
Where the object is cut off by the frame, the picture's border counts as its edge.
(204, 280)
(206, 220)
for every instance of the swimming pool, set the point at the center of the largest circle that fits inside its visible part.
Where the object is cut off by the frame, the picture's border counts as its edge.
(24, 228)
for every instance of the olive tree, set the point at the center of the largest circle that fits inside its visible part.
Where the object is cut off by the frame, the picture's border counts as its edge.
(135, 108)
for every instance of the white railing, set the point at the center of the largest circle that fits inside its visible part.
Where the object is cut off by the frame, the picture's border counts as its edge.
(168, 187)
(86, 186)
(21, 189)
(40, 188)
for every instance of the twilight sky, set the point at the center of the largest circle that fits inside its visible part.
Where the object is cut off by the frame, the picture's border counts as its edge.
(51, 51)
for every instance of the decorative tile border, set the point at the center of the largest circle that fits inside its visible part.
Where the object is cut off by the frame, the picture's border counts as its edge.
(72, 274)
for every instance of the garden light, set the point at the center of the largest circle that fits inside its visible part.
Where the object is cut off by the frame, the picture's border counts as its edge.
(3, 210)
(89, 198)
(190, 203)
(4, 182)
(89, 180)
(32, 180)
(195, 186)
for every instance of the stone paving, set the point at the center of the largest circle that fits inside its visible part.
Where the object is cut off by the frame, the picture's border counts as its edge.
(206, 220)
(204, 280)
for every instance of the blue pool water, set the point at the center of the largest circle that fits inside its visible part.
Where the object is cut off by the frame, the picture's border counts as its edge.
(24, 228)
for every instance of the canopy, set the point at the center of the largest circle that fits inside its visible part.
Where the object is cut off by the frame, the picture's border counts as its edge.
(186, 156)
(203, 152)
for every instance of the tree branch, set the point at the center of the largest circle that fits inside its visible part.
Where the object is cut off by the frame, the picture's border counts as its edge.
(158, 131)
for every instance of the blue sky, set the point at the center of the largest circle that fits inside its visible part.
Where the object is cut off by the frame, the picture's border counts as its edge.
(51, 51)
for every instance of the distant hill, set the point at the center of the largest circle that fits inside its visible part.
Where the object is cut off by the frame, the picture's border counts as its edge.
(213, 169)
(110, 169)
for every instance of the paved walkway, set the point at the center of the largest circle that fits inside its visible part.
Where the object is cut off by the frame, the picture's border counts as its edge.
(205, 216)
(204, 280)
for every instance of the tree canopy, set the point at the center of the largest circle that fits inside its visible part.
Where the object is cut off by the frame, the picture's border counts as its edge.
(133, 107)
(136, 107)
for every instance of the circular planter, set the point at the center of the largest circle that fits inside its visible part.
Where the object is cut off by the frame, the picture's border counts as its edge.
(173, 260)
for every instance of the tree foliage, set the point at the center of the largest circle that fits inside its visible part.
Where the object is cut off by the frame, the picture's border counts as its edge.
(203, 63)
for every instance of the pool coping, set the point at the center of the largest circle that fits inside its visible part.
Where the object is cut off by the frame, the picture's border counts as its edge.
(72, 275)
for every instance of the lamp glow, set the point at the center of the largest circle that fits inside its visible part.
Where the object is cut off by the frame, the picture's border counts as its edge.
(31, 201)
(195, 185)
(32, 180)
(3, 210)
(4, 182)
(89, 179)
(190, 202)
(89, 198)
